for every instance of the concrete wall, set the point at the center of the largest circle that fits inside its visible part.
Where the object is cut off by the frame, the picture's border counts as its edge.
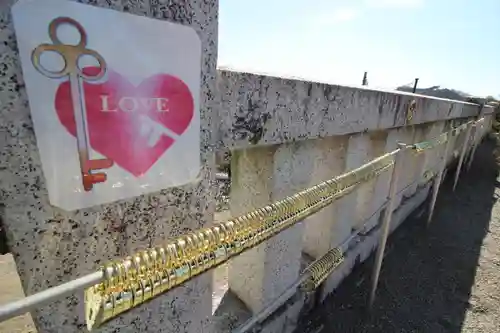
(264, 110)
(286, 135)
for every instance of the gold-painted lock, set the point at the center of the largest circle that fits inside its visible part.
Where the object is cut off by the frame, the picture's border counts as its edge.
(136, 284)
(252, 229)
(228, 228)
(220, 251)
(190, 253)
(182, 268)
(412, 107)
(206, 240)
(263, 222)
(147, 275)
(99, 301)
(122, 295)
(162, 268)
(241, 231)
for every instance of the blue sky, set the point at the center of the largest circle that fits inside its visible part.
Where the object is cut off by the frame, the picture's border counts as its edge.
(452, 43)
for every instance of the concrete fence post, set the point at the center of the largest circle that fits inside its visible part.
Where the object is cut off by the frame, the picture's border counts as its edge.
(417, 161)
(379, 186)
(382, 144)
(439, 177)
(352, 210)
(260, 176)
(431, 156)
(52, 246)
(409, 136)
(325, 229)
(476, 136)
(465, 146)
(368, 213)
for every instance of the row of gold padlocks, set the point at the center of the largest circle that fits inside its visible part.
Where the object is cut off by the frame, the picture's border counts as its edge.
(138, 278)
(320, 269)
(442, 138)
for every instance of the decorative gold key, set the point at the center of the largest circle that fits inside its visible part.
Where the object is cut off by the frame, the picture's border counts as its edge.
(71, 54)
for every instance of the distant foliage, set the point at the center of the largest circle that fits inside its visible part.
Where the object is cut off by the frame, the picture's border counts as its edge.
(436, 91)
(458, 95)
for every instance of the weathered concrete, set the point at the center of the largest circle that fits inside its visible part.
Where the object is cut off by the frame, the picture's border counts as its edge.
(378, 187)
(324, 228)
(358, 153)
(333, 127)
(263, 110)
(265, 175)
(431, 157)
(52, 246)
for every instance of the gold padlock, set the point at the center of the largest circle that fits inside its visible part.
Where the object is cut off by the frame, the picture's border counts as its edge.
(99, 301)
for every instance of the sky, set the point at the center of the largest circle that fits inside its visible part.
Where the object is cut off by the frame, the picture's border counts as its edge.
(451, 43)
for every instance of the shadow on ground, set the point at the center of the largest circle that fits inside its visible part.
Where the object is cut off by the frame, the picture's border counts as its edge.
(427, 275)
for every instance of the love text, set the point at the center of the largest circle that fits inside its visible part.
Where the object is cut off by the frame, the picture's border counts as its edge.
(134, 104)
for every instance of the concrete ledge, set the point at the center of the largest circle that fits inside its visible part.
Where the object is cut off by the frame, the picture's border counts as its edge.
(263, 110)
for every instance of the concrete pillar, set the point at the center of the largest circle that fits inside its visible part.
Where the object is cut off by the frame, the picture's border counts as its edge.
(333, 225)
(431, 156)
(488, 123)
(369, 200)
(326, 229)
(382, 143)
(359, 152)
(459, 141)
(449, 125)
(408, 136)
(416, 161)
(394, 137)
(478, 132)
(260, 176)
(52, 246)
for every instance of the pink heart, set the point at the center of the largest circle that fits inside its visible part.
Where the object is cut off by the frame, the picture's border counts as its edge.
(121, 117)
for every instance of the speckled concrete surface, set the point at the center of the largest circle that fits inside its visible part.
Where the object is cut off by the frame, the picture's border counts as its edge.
(258, 109)
(266, 175)
(52, 246)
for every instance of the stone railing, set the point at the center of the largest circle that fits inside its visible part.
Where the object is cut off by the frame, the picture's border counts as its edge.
(286, 135)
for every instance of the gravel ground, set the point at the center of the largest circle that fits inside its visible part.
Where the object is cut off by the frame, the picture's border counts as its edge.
(445, 279)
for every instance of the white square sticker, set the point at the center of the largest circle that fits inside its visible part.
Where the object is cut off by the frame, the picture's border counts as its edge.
(114, 100)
